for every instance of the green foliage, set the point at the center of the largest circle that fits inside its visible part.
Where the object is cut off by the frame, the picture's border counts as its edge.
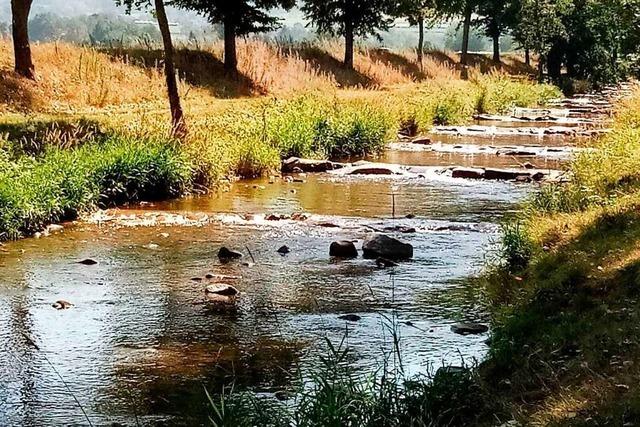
(516, 247)
(62, 183)
(337, 394)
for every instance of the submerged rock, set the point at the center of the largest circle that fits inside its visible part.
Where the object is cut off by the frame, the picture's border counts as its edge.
(385, 263)
(422, 140)
(221, 289)
(88, 261)
(383, 246)
(343, 249)
(350, 317)
(469, 328)
(225, 254)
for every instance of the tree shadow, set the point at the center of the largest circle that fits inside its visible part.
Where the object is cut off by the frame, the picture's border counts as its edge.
(390, 59)
(198, 68)
(17, 92)
(323, 63)
(509, 64)
(441, 57)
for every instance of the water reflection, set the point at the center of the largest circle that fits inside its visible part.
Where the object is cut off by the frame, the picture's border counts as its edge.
(141, 343)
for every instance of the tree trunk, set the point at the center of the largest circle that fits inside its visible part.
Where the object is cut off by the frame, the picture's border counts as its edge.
(348, 44)
(541, 61)
(527, 57)
(496, 48)
(420, 41)
(466, 30)
(179, 128)
(20, 27)
(230, 51)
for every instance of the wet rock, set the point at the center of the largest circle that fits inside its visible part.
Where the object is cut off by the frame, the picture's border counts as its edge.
(275, 217)
(383, 246)
(451, 370)
(343, 249)
(410, 216)
(196, 279)
(373, 170)
(385, 263)
(401, 229)
(350, 317)
(88, 261)
(62, 305)
(528, 165)
(298, 165)
(283, 250)
(538, 176)
(225, 254)
(299, 216)
(328, 225)
(222, 289)
(521, 153)
(504, 174)
(54, 228)
(468, 173)
(422, 140)
(469, 328)
(282, 396)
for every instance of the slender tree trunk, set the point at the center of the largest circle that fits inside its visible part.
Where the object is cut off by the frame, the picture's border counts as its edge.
(466, 30)
(527, 57)
(541, 61)
(230, 51)
(420, 41)
(179, 127)
(496, 47)
(20, 27)
(348, 44)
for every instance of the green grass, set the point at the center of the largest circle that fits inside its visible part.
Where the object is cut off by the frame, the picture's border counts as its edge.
(338, 394)
(565, 321)
(59, 184)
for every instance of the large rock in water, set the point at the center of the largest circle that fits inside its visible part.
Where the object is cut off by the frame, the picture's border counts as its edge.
(343, 249)
(467, 173)
(295, 164)
(225, 254)
(469, 328)
(383, 246)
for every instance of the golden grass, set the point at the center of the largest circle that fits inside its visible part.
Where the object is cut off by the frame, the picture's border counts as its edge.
(84, 80)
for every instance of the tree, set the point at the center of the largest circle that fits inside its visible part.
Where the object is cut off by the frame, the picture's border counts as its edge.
(20, 28)
(178, 125)
(496, 16)
(417, 12)
(466, 9)
(239, 18)
(350, 19)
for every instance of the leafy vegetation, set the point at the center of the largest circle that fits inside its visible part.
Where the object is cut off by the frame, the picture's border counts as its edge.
(565, 334)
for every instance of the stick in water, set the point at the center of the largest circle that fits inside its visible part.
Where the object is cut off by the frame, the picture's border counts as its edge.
(250, 254)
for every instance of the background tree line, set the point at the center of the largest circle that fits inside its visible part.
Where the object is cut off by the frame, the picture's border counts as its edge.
(595, 40)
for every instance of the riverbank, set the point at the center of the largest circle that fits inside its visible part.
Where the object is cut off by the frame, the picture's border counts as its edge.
(86, 154)
(564, 349)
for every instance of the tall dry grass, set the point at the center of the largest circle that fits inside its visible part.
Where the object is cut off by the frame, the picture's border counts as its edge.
(81, 79)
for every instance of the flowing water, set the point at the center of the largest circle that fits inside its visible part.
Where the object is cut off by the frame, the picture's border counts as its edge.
(140, 344)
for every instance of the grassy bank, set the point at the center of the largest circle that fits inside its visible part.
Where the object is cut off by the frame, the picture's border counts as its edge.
(565, 348)
(110, 105)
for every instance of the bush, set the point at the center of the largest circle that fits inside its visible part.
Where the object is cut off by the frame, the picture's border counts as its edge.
(516, 247)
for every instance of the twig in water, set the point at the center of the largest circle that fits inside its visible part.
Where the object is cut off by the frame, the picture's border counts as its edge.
(32, 343)
(250, 254)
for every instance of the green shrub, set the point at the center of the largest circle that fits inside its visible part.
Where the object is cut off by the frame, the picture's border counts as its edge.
(516, 247)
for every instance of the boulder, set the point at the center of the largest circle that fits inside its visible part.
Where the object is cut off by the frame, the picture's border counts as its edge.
(343, 249)
(468, 173)
(225, 254)
(222, 289)
(383, 246)
(469, 328)
(373, 170)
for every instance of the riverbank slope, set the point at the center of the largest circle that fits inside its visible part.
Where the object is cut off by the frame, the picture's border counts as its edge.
(565, 343)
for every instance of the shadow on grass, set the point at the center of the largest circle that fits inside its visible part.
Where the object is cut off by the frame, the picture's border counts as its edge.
(324, 63)
(199, 68)
(390, 59)
(18, 93)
